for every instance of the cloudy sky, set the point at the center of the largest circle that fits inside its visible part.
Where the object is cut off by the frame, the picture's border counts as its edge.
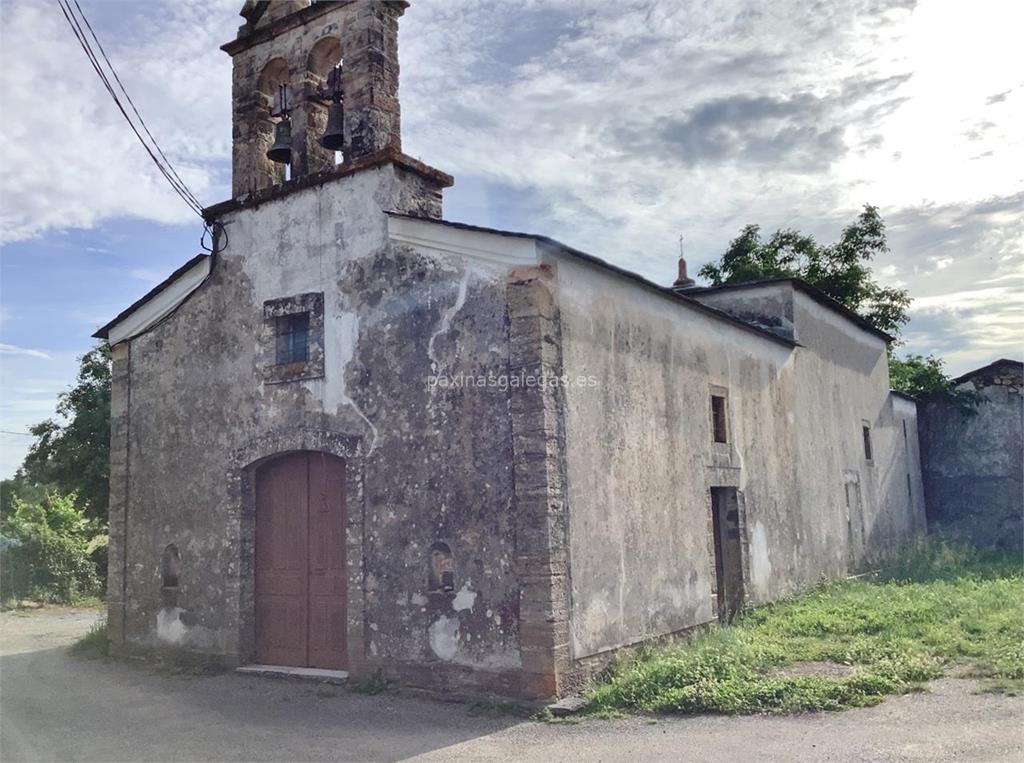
(614, 126)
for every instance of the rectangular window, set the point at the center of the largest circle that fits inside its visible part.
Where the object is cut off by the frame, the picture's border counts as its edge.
(910, 493)
(867, 441)
(292, 338)
(718, 421)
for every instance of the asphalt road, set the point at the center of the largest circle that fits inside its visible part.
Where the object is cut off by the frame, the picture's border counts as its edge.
(57, 707)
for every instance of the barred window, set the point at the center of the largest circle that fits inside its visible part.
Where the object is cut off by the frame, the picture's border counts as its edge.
(292, 338)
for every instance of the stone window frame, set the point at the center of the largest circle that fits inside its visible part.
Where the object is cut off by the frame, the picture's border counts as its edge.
(716, 390)
(311, 304)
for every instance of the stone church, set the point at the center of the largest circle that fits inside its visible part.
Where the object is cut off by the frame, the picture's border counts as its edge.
(358, 437)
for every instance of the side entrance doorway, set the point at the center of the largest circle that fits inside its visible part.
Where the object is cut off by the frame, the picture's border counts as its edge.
(301, 578)
(725, 521)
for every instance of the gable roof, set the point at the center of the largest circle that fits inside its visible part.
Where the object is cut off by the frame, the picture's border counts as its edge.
(198, 268)
(802, 286)
(605, 265)
(978, 371)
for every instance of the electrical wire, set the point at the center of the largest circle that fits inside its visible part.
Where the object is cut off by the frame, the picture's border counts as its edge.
(161, 161)
(131, 103)
(79, 33)
(218, 236)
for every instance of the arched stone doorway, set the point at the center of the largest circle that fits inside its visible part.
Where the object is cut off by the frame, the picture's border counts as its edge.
(300, 567)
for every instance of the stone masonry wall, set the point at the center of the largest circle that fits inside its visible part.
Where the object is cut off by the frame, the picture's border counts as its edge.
(973, 460)
(538, 439)
(428, 463)
(299, 49)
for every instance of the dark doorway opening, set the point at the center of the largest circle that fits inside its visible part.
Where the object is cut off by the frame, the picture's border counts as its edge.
(854, 522)
(301, 576)
(725, 515)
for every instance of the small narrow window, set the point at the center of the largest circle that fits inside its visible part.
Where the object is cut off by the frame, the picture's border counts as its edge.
(910, 493)
(292, 338)
(718, 422)
(867, 441)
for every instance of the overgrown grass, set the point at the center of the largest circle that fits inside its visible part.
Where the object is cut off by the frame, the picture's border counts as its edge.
(938, 606)
(94, 644)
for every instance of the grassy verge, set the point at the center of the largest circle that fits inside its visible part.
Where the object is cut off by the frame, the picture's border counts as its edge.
(93, 645)
(937, 607)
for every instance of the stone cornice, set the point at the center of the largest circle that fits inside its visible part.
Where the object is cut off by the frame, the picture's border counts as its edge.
(387, 156)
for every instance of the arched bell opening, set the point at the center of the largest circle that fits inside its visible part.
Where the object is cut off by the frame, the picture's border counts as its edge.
(325, 99)
(272, 122)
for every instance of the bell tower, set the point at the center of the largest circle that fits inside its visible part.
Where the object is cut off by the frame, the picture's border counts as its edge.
(304, 69)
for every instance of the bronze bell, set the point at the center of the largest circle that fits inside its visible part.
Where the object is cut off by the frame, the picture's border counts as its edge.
(334, 136)
(281, 151)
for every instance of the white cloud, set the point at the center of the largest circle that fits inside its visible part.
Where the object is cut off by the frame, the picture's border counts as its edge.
(641, 121)
(70, 159)
(149, 276)
(10, 349)
(625, 123)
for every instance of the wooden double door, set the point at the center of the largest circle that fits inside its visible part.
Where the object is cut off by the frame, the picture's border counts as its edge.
(301, 578)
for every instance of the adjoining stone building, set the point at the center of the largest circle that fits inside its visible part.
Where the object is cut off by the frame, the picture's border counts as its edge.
(973, 458)
(359, 437)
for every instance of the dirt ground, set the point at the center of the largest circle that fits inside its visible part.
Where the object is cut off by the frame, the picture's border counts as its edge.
(57, 707)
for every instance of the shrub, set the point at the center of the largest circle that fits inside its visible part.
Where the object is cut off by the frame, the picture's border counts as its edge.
(48, 549)
(94, 644)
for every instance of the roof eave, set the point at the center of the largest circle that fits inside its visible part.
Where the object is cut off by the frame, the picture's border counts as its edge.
(604, 264)
(104, 331)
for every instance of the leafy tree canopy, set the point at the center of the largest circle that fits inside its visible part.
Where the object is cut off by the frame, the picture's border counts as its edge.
(925, 376)
(73, 456)
(50, 551)
(841, 270)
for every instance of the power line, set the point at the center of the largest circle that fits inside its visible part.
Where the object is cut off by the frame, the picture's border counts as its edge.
(22, 434)
(162, 163)
(131, 103)
(79, 33)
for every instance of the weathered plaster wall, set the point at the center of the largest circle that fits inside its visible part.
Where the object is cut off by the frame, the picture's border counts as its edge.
(578, 513)
(769, 307)
(426, 463)
(640, 457)
(842, 384)
(974, 460)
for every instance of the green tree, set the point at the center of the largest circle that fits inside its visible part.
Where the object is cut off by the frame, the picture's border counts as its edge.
(73, 456)
(918, 375)
(925, 376)
(50, 551)
(841, 270)
(21, 487)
